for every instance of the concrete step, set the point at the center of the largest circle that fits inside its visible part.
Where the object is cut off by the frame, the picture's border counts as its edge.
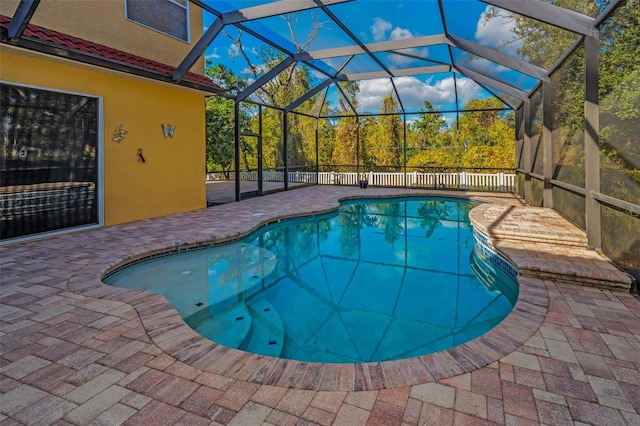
(541, 243)
(531, 224)
(564, 264)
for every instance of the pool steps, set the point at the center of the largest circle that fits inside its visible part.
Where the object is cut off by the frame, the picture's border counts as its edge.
(254, 326)
(230, 327)
(267, 330)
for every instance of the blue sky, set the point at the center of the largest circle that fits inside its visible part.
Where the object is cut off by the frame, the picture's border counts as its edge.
(377, 21)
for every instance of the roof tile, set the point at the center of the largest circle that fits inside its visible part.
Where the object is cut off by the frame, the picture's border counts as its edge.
(64, 40)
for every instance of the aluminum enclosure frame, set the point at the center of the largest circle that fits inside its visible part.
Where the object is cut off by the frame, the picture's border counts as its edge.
(542, 11)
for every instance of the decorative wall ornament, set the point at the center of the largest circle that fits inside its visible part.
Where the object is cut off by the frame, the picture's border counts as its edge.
(168, 130)
(119, 133)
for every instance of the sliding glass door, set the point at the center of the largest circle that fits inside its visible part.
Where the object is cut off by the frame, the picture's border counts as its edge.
(48, 161)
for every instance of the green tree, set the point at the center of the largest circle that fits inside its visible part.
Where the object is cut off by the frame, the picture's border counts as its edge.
(345, 152)
(620, 103)
(346, 133)
(367, 134)
(388, 136)
(326, 141)
(445, 157)
(220, 121)
(486, 135)
(429, 127)
(431, 140)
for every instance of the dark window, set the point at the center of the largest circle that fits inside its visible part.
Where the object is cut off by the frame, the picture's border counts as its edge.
(48, 161)
(167, 16)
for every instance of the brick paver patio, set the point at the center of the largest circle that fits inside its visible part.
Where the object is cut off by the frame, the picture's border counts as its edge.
(74, 351)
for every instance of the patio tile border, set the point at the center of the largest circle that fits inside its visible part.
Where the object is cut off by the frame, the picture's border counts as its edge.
(169, 332)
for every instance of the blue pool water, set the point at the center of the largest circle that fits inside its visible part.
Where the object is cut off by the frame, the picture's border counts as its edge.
(374, 281)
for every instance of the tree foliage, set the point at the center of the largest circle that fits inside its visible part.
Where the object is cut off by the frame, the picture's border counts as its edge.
(428, 129)
(372, 142)
(387, 138)
(620, 89)
(345, 148)
(220, 121)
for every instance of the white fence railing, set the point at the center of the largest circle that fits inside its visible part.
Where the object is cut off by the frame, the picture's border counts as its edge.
(461, 180)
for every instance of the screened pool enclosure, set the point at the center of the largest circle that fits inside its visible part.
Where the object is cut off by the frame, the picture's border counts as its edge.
(543, 97)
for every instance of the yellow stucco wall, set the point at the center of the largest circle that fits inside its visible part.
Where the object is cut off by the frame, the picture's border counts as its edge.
(104, 22)
(172, 179)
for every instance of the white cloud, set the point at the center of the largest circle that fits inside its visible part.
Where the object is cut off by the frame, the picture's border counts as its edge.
(413, 92)
(212, 54)
(233, 50)
(485, 66)
(467, 90)
(400, 34)
(382, 31)
(372, 92)
(497, 31)
(380, 28)
(259, 69)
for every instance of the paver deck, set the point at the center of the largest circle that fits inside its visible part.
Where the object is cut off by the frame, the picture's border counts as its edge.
(75, 351)
(542, 244)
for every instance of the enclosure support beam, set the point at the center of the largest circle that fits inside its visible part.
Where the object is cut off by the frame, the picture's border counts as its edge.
(404, 152)
(317, 152)
(592, 142)
(526, 152)
(519, 151)
(547, 145)
(206, 7)
(236, 141)
(275, 8)
(610, 9)
(295, 104)
(431, 69)
(550, 14)
(382, 46)
(455, 91)
(237, 17)
(395, 90)
(498, 57)
(260, 156)
(358, 149)
(285, 147)
(268, 76)
(487, 81)
(198, 49)
(21, 18)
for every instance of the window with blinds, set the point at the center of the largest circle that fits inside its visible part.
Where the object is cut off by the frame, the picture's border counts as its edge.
(170, 17)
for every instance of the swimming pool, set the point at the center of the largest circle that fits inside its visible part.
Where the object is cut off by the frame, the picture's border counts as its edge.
(376, 280)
